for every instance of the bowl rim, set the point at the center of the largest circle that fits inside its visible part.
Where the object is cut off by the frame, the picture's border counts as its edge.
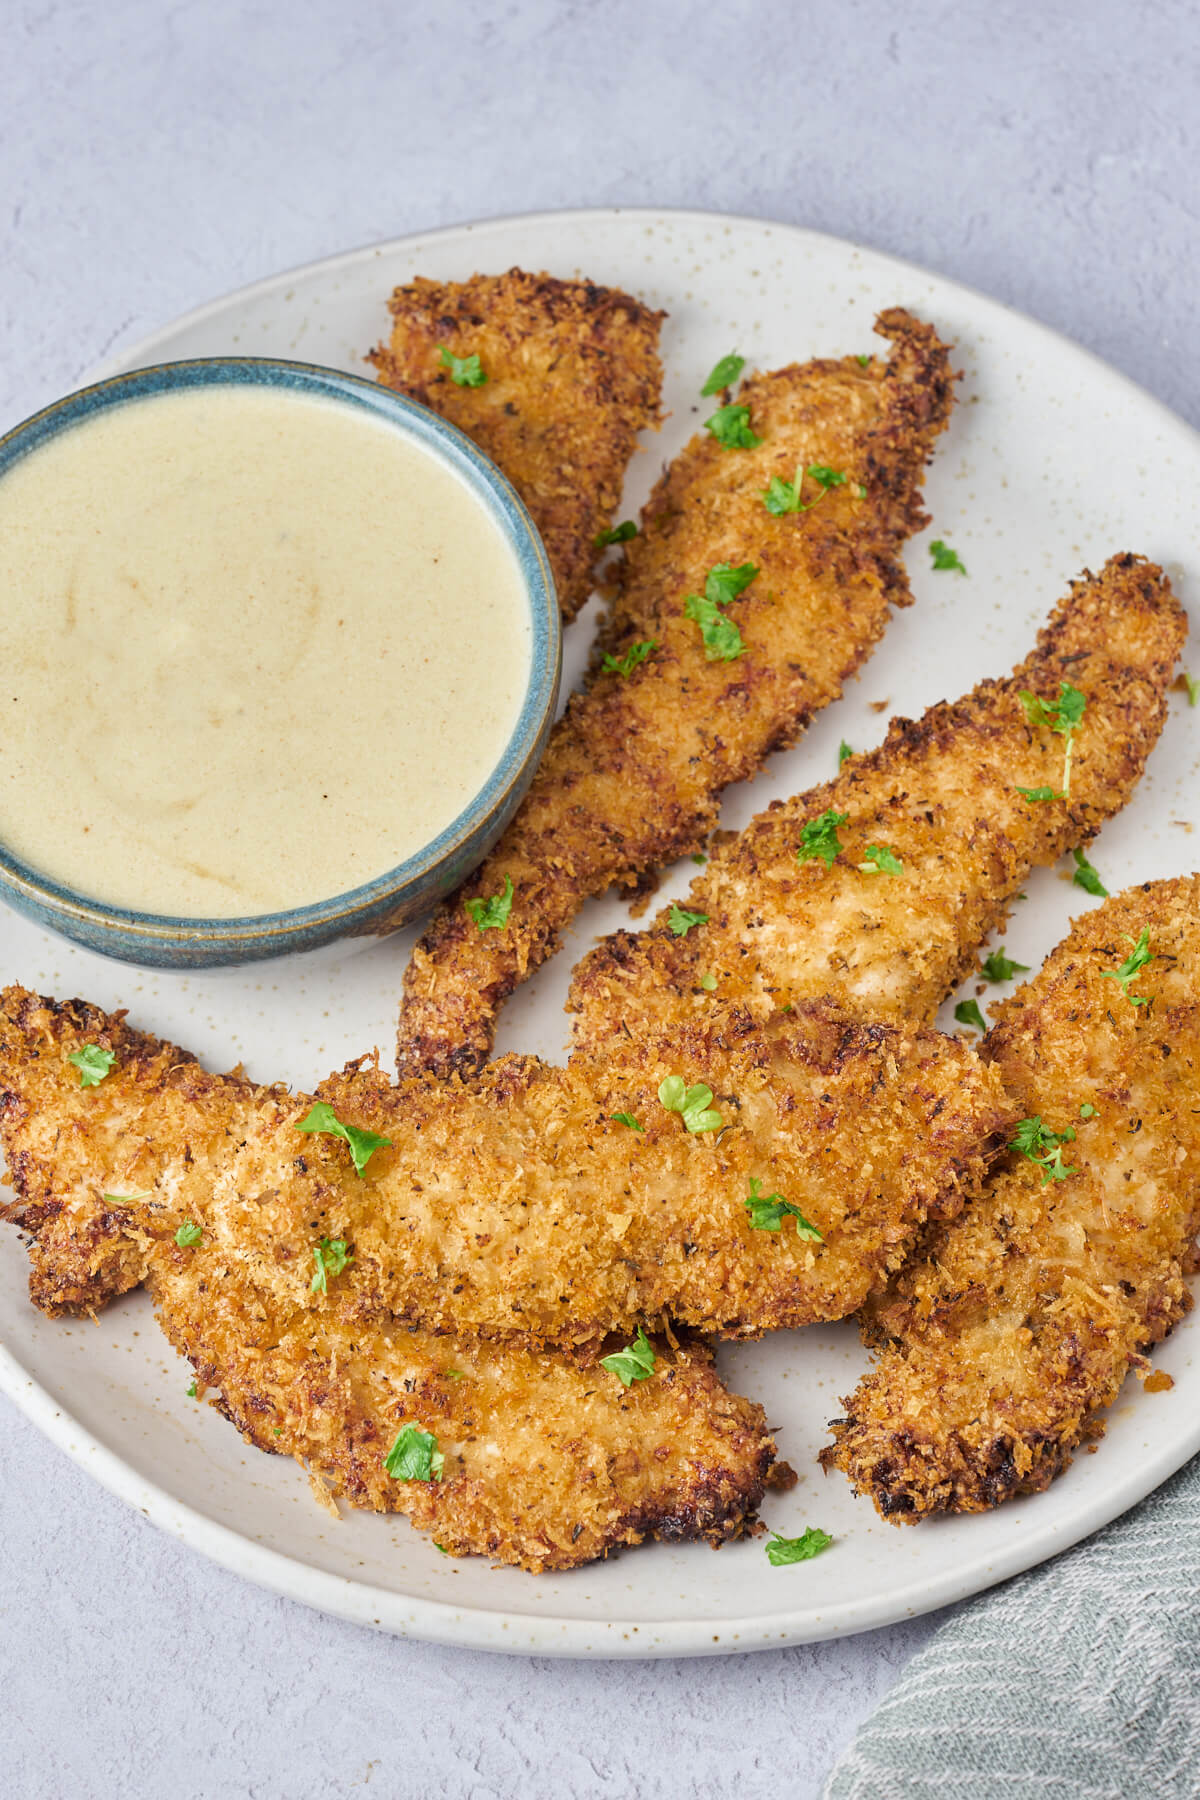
(456, 451)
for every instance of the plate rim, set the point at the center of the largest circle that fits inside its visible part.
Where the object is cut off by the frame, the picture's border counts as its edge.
(478, 1628)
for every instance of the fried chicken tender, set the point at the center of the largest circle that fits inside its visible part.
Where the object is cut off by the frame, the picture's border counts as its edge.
(943, 795)
(572, 375)
(547, 1464)
(634, 770)
(526, 1204)
(1004, 1344)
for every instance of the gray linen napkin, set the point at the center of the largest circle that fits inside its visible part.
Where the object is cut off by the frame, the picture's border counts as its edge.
(1079, 1679)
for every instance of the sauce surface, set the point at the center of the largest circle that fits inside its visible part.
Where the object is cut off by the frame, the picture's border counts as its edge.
(255, 650)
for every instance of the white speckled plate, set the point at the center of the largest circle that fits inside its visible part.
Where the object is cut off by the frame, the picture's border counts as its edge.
(1052, 462)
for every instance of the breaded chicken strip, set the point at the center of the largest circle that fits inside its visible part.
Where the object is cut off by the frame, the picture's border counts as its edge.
(943, 796)
(558, 1204)
(1004, 1344)
(571, 376)
(634, 770)
(547, 1465)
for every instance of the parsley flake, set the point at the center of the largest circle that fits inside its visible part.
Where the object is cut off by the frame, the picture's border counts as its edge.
(1040, 793)
(127, 1199)
(967, 1013)
(730, 425)
(1086, 877)
(681, 921)
(709, 983)
(632, 1364)
(819, 837)
(882, 859)
(415, 1456)
(1140, 955)
(616, 534)
(996, 966)
(1193, 688)
(363, 1144)
(723, 642)
(1064, 715)
(698, 856)
(1038, 1144)
(492, 914)
(725, 581)
(93, 1064)
(724, 374)
(844, 754)
(465, 371)
(946, 558)
(768, 1211)
(1087, 1110)
(189, 1235)
(626, 1119)
(862, 361)
(331, 1257)
(191, 1393)
(780, 497)
(810, 1543)
(633, 657)
(694, 1104)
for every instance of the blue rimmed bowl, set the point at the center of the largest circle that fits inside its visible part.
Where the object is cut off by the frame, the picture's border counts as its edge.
(413, 886)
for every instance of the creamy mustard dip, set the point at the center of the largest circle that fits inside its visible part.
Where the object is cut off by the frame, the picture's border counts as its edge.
(255, 650)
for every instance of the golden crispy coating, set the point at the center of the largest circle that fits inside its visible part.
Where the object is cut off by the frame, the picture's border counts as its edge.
(519, 1205)
(547, 1465)
(942, 794)
(572, 376)
(634, 770)
(1002, 1346)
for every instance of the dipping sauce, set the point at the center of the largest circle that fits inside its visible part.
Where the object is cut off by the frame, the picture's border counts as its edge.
(256, 649)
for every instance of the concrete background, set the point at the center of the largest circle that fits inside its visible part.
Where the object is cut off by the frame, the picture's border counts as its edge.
(152, 157)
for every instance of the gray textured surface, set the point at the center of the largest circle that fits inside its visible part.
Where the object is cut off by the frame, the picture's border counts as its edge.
(153, 157)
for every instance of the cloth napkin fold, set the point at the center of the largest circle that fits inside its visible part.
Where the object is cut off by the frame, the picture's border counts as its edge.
(1078, 1679)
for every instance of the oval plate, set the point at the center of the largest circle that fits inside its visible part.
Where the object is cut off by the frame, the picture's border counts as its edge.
(1052, 462)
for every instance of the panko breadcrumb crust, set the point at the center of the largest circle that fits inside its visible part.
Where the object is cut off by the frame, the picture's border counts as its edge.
(635, 768)
(573, 375)
(549, 1464)
(1005, 1342)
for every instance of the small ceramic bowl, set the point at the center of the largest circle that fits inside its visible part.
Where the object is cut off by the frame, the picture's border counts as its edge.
(391, 900)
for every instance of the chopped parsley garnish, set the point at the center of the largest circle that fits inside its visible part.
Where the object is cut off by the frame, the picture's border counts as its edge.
(844, 754)
(1193, 688)
(730, 425)
(698, 856)
(1064, 715)
(616, 534)
(810, 1543)
(1038, 1144)
(415, 1456)
(93, 1064)
(1040, 793)
(191, 1393)
(724, 374)
(723, 642)
(768, 1211)
(780, 497)
(946, 558)
(626, 1119)
(882, 859)
(492, 914)
(996, 966)
(363, 1144)
(862, 360)
(465, 371)
(635, 655)
(694, 1104)
(967, 1013)
(681, 920)
(1087, 878)
(127, 1199)
(709, 983)
(632, 1364)
(820, 837)
(189, 1235)
(331, 1257)
(1087, 1110)
(1139, 956)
